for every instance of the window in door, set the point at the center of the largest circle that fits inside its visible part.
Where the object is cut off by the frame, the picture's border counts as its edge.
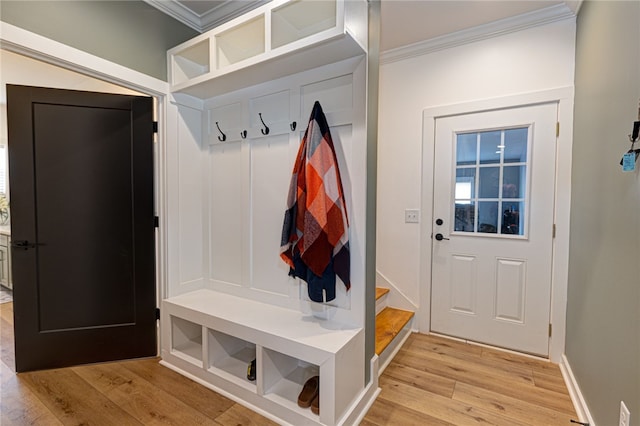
(490, 192)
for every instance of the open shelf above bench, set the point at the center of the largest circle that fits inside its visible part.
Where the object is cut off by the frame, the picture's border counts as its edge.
(278, 39)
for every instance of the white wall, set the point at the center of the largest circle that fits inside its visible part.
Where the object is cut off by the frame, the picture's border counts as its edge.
(530, 60)
(18, 69)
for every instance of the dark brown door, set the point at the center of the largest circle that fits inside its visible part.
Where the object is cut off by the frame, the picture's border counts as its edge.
(81, 170)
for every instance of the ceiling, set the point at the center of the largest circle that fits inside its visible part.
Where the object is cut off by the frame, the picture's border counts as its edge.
(404, 22)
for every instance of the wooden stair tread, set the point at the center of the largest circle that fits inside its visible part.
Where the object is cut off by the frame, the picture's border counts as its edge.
(389, 323)
(380, 291)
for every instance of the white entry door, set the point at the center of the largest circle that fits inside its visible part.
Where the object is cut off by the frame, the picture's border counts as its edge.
(494, 179)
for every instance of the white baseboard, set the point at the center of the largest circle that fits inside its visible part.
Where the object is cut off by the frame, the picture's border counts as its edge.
(353, 416)
(578, 400)
(369, 395)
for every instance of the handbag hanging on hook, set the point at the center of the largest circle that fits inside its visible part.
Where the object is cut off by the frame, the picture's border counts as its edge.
(629, 159)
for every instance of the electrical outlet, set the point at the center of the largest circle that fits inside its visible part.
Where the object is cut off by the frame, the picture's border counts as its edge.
(625, 415)
(411, 216)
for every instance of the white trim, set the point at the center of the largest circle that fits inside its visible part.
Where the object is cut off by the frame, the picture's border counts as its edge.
(37, 47)
(235, 398)
(564, 97)
(355, 413)
(396, 297)
(226, 12)
(210, 19)
(575, 393)
(481, 32)
(575, 6)
(179, 12)
(18, 40)
(360, 408)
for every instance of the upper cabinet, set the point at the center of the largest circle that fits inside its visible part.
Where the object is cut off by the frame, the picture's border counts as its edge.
(281, 38)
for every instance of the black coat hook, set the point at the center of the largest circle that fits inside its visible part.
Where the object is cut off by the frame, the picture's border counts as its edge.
(293, 126)
(264, 131)
(223, 137)
(243, 134)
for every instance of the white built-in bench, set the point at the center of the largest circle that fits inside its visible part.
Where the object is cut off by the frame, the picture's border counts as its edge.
(214, 336)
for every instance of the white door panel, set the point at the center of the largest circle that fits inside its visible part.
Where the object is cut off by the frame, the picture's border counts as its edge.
(494, 179)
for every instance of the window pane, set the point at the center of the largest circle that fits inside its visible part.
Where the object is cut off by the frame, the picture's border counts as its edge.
(489, 147)
(488, 217)
(465, 216)
(489, 182)
(515, 145)
(514, 179)
(466, 147)
(513, 218)
(465, 184)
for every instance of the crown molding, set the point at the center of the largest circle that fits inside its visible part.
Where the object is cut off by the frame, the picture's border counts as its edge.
(211, 19)
(226, 12)
(179, 12)
(481, 32)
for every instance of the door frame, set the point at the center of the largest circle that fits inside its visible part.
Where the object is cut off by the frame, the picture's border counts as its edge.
(563, 97)
(34, 46)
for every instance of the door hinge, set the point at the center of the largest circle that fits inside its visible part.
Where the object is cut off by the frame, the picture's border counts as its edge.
(155, 127)
(550, 329)
(557, 129)
(156, 222)
(553, 232)
(157, 313)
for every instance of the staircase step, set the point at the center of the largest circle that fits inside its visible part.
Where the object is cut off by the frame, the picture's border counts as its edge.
(381, 299)
(389, 323)
(380, 291)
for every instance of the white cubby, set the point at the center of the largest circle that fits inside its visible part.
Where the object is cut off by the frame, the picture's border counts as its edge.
(275, 40)
(229, 299)
(296, 20)
(230, 355)
(241, 42)
(284, 377)
(186, 340)
(289, 348)
(190, 62)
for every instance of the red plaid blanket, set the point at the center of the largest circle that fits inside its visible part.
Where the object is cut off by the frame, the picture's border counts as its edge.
(315, 234)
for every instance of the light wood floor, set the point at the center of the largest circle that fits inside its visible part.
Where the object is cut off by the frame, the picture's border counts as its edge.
(432, 381)
(438, 381)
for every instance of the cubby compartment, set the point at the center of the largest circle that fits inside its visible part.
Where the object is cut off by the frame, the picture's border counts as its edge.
(299, 19)
(241, 42)
(288, 346)
(229, 355)
(277, 39)
(284, 377)
(186, 340)
(190, 62)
